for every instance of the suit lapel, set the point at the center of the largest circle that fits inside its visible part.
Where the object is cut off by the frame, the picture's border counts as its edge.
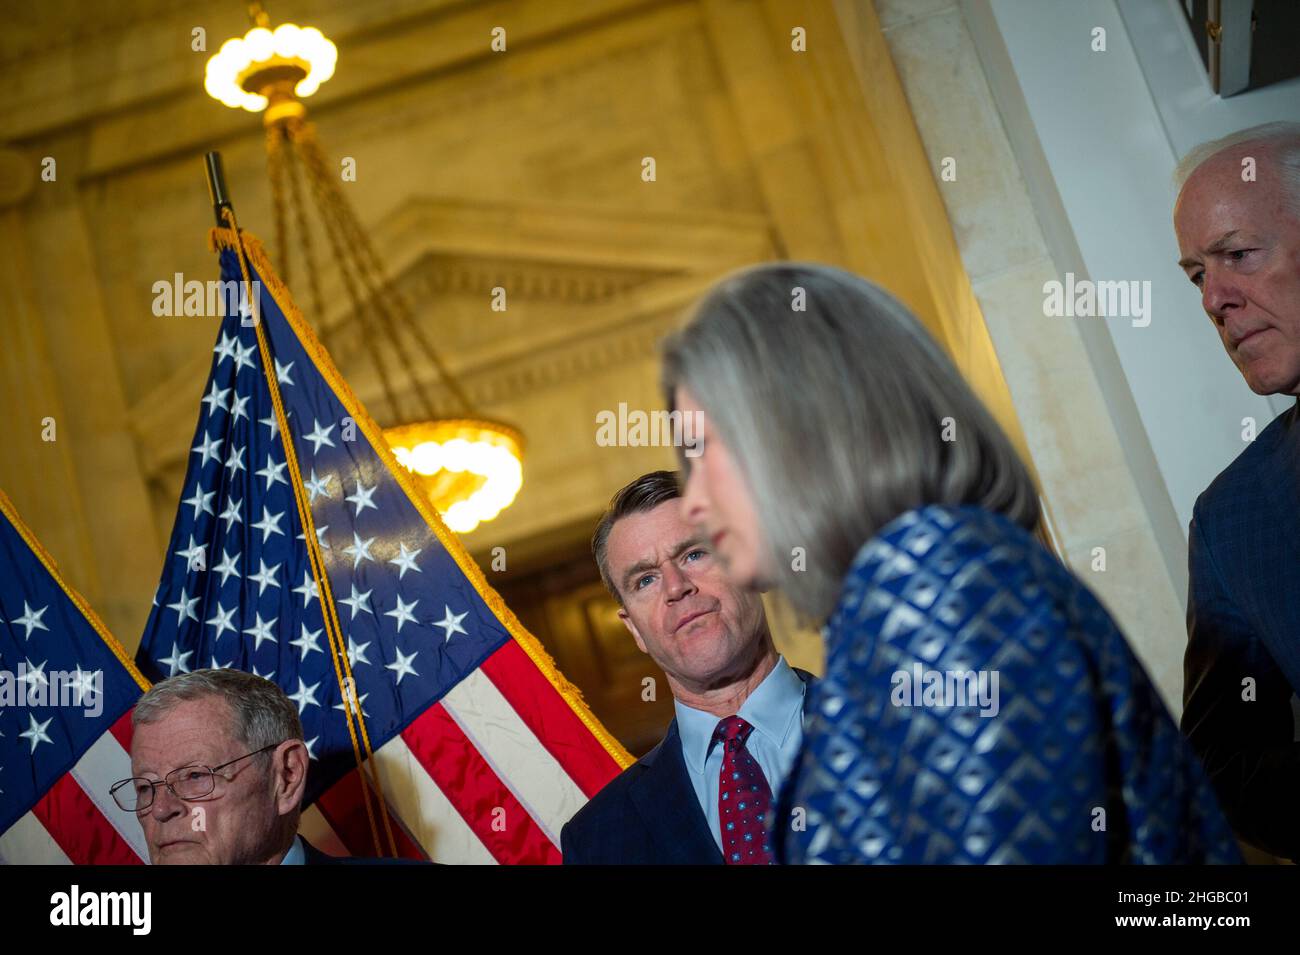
(666, 800)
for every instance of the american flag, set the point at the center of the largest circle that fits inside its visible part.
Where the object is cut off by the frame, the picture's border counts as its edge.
(483, 751)
(65, 725)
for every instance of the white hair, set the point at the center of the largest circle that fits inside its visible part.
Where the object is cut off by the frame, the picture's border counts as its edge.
(1281, 139)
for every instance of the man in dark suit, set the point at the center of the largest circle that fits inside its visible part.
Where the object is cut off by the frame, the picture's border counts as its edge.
(701, 795)
(1238, 226)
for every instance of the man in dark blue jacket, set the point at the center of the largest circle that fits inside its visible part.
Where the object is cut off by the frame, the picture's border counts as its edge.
(1238, 226)
(700, 796)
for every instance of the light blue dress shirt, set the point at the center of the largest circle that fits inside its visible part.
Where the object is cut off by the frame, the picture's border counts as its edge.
(774, 709)
(296, 855)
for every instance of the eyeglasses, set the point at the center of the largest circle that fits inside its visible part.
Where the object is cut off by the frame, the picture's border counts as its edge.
(188, 782)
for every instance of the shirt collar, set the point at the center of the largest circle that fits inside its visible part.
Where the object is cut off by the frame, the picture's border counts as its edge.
(296, 855)
(771, 709)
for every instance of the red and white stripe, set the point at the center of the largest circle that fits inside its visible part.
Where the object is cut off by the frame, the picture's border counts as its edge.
(490, 774)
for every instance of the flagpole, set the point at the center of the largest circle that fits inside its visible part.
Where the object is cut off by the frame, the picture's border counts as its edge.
(217, 191)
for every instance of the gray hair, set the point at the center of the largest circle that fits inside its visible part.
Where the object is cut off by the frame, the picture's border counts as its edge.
(835, 415)
(644, 494)
(1280, 139)
(261, 714)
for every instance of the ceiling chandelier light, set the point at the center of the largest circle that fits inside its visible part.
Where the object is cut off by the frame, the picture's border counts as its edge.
(470, 467)
(245, 70)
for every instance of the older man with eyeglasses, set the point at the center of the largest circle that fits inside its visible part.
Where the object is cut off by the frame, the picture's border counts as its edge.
(219, 767)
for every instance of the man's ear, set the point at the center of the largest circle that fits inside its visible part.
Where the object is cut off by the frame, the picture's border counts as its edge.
(289, 767)
(631, 628)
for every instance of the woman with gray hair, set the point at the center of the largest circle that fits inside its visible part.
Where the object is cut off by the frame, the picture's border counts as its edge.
(979, 704)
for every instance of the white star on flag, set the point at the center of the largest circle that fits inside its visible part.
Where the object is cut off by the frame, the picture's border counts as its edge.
(82, 682)
(358, 601)
(231, 514)
(224, 348)
(357, 652)
(208, 449)
(36, 732)
(271, 422)
(402, 613)
(306, 695)
(216, 398)
(403, 664)
(226, 567)
(318, 437)
(317, 486)
(362, 498)
(235, 462)
(308, 641)
(406, 560)
(184, 607)
(223, 620)
(269, 524)
(265, 576)
(243, 357)
(201, 501)
(31, 619)
(190, 552)
(451, 623)
(359, 549)
(178, 662)
(35, 674)
(261, 631)
(272, 473)
(352, 703)
(309, 589)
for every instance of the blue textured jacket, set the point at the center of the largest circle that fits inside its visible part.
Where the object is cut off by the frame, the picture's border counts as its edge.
(1077, 759)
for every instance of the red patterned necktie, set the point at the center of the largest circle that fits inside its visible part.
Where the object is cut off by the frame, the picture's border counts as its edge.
(743, 797)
